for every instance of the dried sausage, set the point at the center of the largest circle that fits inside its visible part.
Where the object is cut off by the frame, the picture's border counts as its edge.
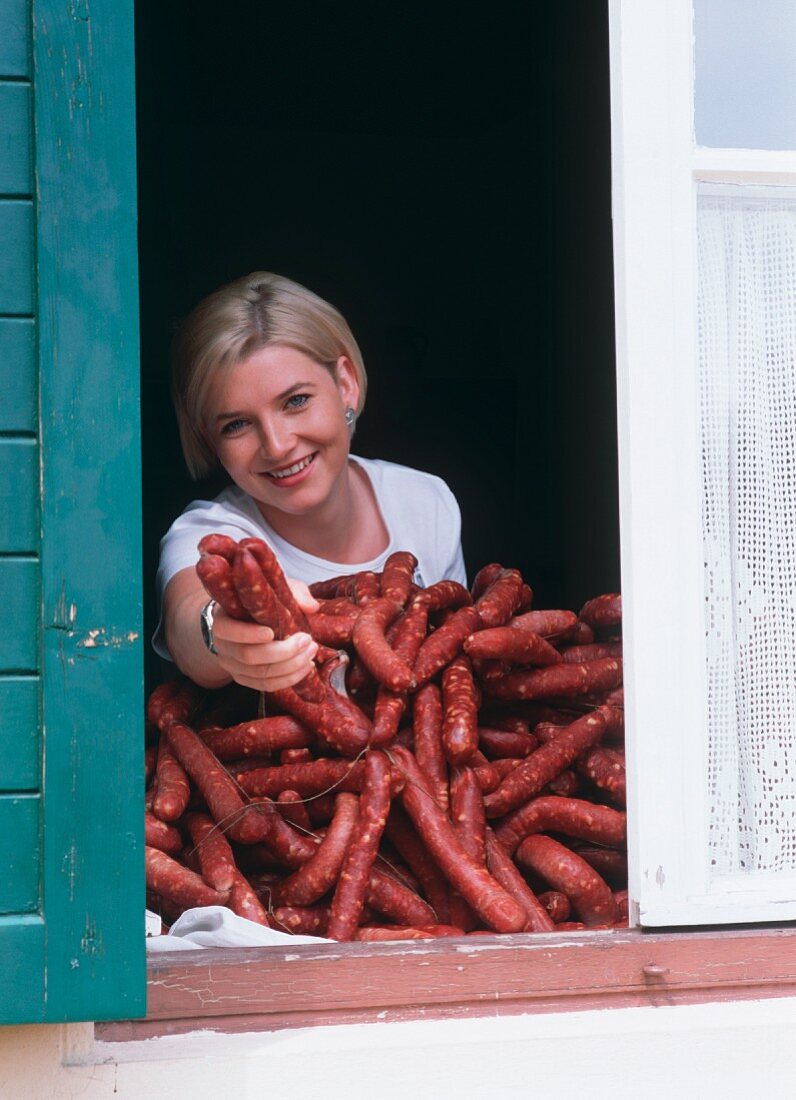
(441, 647)
(564, 870)
(504, 643)
(558, 681)
(529, 777)
(374, 805)
(459, 712)
(488, 899)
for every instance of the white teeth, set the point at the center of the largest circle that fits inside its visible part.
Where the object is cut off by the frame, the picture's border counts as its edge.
(294, 469)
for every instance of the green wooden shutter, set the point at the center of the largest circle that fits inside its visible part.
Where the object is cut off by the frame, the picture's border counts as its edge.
(71, 844)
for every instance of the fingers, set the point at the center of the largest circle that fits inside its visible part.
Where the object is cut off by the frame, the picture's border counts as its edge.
(270, 665)
(304, 598)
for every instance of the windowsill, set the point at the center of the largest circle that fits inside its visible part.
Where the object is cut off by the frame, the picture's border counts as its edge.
(266, 989)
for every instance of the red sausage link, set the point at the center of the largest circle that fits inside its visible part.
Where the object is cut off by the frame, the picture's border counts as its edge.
(603, 612)
(244, 902)
(501, 599)
(173, 789)
(485, 577)
(467, 813)
(605, 768)
(333, 588)
(218, 788)
(318, 875)
(504, 872)
(367, 586)
(387, 933)
(555, 624)
(158, 699)
(404, 838)
(487, 899)
(398, 575)
(308, 780)
(526, 599)
(581, 634)
(215, 573)
(558, 681)
(394, 900)
(608, 863)
(504, 643)
(580, 654)
(442, 596)
(257, 738)
(566, 785)
(215, 855)
(157, 834)
(445, 644)
(182, 705)
(222, 545)
(257, 595)
(295, 756)
(300, 920)
(570, 816)
(334, 630)
(337, 721)
(491, 775)
(291, 806)
(374, 805)
(590, 895)
(390, 705)
(273, 573)
(287, 845)
(557, 905)
(429, 752)
(545, 764)
(370, 643)
(176, 884)
(502, 744)
(460, 712)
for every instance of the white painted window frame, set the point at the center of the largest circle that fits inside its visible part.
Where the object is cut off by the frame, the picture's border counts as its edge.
(657, 169)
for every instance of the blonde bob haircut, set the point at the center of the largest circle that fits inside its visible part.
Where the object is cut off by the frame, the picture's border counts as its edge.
(258, 311)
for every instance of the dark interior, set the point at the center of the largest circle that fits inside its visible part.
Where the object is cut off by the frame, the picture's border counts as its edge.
(441, 173)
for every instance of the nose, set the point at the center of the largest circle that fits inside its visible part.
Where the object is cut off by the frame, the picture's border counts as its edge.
(277, 439)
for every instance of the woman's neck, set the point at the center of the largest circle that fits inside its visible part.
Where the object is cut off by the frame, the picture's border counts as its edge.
(347, 527)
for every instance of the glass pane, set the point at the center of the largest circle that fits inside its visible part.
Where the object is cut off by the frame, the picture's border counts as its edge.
(747, 353)
(745, 60)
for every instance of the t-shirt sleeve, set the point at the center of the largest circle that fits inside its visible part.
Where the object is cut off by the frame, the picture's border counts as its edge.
(453, 568)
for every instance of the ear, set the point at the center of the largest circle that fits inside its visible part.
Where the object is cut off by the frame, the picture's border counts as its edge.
(347, 381)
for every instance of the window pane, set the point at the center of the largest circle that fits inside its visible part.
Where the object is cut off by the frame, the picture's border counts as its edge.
(745, 96)
(747, 363)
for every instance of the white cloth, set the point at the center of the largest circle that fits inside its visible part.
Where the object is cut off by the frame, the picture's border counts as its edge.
(217, 926)
(419, 511)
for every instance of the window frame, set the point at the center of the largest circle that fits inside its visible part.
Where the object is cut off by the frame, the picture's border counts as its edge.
(657, 169)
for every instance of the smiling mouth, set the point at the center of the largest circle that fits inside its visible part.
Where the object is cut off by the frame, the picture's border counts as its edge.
(289, 471)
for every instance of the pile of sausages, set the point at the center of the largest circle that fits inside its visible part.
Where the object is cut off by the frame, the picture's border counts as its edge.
(451, 765)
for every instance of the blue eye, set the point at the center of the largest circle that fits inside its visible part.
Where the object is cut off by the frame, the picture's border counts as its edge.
(232, 427)
(297, 401)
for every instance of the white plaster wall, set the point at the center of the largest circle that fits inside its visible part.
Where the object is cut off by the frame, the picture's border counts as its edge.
(727, 1051)
(705, 1051)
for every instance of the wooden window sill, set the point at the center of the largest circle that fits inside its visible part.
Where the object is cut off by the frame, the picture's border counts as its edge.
(266, 989)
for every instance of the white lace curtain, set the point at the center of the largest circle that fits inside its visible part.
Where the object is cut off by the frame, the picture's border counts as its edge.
(747, 360)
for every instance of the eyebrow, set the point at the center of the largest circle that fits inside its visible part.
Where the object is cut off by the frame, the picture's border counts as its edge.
(280, 397)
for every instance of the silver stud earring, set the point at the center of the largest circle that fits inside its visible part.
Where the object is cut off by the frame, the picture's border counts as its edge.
(349, 417)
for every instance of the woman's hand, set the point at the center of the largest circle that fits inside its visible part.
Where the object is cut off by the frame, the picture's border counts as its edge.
(252, 658)
(247, 652)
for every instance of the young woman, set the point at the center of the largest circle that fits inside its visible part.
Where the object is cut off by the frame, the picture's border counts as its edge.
(268, 381)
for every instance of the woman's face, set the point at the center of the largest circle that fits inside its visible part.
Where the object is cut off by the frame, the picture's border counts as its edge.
(277, 423)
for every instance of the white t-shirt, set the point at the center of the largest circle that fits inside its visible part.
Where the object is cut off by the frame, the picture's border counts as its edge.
(419, 511)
